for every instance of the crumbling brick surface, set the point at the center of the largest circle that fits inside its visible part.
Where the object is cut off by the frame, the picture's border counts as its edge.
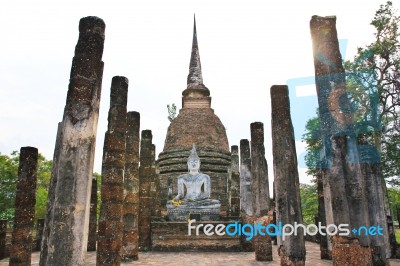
(347, 251)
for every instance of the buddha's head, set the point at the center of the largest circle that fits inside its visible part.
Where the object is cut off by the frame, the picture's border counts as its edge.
(193, 161)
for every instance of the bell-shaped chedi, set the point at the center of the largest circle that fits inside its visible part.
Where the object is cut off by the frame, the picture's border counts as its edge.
(196, 124)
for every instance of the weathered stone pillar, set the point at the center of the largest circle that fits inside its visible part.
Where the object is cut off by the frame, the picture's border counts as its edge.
(259, 171)
(323, 239)
(335, 145)
(234, 182)
(92, 239)
(39, 233)
(25, 199)
(287, 188)
(112, 184)
(246, 200)
(69, 211)
(50, 199)
(392, 236)
(130, 239)
(3, 234)
(154, 187)
(145, 200)
(371, 169)
(263, 244)
(246, 203)
(344, 175)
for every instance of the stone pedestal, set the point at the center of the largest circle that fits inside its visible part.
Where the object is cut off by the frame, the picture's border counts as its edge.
(173, 237)
(183, 213)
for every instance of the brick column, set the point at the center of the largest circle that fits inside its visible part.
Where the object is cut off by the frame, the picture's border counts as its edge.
(345, 180)
(263, 244)
(234, 181)
(69, 211)
(39, 233)
(287, 187)
(92, 239)
(326, 253)
(145, 200)
(50, 199)
(112, 183)
(246, 200)
(3, 234)
(155, 184)
(25, 199)
(259, 171)
(130, 239)
(246, 204)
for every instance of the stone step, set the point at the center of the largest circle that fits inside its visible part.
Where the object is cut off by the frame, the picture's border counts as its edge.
(197, 245)
(173, 236)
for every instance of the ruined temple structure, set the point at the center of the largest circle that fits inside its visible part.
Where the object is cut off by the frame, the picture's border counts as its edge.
(154, 205)
(196, 124)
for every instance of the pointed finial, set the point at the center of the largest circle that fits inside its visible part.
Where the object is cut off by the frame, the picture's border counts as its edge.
(195, 77)
(194, 42)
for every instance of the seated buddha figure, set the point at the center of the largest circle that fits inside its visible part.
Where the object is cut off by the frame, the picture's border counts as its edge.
(198, 189)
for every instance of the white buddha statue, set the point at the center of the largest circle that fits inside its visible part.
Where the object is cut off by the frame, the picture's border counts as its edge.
(197, 186)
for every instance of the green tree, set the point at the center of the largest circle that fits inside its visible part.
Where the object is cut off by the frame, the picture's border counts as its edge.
(309, 202)
(394, 201)
(98, 181)
(42, 186)
(8, 180)
(375, 70)
(312, 137)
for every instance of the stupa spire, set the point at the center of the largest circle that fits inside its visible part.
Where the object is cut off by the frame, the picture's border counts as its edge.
(195, 77)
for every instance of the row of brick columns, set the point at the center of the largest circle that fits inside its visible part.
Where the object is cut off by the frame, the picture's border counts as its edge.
(350, 186)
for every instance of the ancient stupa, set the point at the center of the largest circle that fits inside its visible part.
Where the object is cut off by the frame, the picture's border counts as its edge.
(195, 124)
